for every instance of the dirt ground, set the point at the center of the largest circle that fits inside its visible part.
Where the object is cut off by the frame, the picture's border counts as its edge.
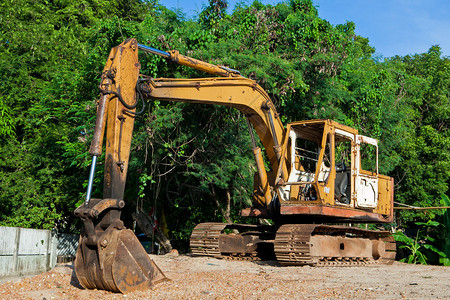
(208, 278)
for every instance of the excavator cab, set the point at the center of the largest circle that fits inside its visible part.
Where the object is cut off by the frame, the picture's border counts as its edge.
(331, 165)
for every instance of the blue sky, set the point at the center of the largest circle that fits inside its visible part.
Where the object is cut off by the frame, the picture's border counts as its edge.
(393, 27)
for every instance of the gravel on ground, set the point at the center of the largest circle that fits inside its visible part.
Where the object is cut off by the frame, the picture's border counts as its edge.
(209, 278)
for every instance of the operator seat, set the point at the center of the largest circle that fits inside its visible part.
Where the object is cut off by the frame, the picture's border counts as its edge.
(341, 184)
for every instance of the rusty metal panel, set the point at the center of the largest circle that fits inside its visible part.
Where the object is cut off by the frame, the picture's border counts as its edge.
(237, 243)
(336, 246)
(385, 196)
(258, 212)
(318, 210)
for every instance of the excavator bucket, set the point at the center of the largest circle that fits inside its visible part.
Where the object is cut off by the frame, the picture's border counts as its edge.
(112, 259)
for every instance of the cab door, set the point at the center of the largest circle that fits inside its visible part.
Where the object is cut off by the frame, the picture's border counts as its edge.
(366, 168)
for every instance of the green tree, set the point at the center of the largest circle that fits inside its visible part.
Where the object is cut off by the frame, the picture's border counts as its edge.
(47, 105)
(423, 174)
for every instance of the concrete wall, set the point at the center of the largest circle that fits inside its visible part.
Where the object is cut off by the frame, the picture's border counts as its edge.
(26, 251)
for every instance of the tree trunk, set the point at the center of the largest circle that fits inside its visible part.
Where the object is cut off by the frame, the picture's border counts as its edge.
(225, 213)
(146, 225)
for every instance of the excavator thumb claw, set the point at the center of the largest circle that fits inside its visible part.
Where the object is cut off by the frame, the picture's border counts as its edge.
(114, 260)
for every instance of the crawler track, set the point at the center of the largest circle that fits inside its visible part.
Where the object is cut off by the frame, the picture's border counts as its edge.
(205, 239)
(292, 245)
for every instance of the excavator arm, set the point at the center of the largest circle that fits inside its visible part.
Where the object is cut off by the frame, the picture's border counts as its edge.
(109, 256)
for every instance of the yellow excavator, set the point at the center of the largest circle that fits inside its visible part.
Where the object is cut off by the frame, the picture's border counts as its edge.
(322, 175)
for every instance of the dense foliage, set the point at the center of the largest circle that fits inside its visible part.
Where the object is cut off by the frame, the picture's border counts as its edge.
(193, 162)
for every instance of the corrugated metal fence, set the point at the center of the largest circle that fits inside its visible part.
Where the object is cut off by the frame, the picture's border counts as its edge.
(67, 247)
(30, 251)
